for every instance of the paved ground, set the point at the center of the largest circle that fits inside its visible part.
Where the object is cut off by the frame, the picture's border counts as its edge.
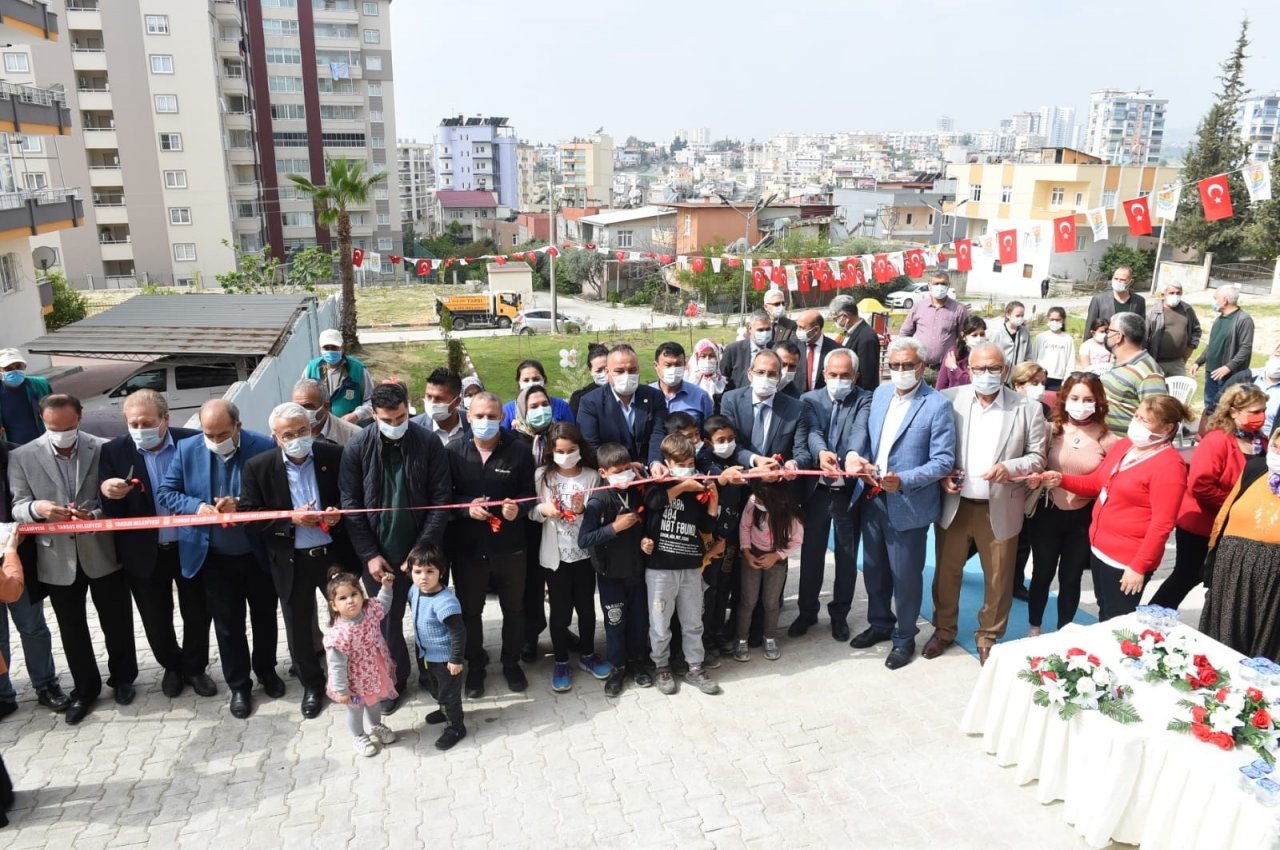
(825, 747)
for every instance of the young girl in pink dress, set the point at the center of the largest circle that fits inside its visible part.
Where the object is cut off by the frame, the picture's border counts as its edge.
(361, 673)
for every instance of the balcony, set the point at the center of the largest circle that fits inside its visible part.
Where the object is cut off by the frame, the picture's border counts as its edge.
(33, 111)
(88, 59)
(106, 176)
(101, 139)
(95, 99)
(34, 211)
(111, 214)
(31, 17)
(116, 250)
(122, 281)
(84, 15)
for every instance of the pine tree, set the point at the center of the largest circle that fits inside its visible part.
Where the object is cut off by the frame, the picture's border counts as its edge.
(1217, 149)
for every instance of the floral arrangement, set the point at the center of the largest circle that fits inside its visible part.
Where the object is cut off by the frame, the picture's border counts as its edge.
(1170, 659)
(1077, 682)
(1231, 718)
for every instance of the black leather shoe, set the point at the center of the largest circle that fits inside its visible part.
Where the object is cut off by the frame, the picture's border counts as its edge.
(869, 638)
(7, 707)
(474, 687)
(436, 717)
(77, 709)
(1020, 592)
(312, 702)
(450, 736)
(840, 630)
(799, 626)
(203, 685)
(389, 706)
(529, 652)
(272, 685)
(125, 694)
(52, 698)
(171, 684)
(900, 656)
(241, 704)
(516, 680)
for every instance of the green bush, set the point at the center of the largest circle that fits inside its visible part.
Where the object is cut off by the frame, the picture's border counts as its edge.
(68, 305)
(1141, 262)
(456, 355)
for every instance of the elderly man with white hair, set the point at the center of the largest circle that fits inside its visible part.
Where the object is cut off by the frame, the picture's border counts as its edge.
(302, 476)
(1230, 345)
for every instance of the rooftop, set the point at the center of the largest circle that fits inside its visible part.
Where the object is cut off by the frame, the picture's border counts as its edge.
(608, 217)
(466, 199)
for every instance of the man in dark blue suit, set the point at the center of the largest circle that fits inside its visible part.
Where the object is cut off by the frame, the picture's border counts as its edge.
(764, 419)
(625, 412)
(132, 466)
(204, 478)
(911, 440)
(832, 416)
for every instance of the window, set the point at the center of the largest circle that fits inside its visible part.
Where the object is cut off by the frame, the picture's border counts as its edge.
(384, 219)
(278, 27)
(375, 89)
(297, 219)
(166, 103)
(1108, 198)
(184, 281)
(184, 252)
(1006, 194)
(380, 193)
(1079, 204)
(289, 140)
(373, 63)
(152, 379)
(384, 243)
(179, 215)
(1056, 196)
(336, 30)
(30, 144)
(161, 63)
(342, 140)
(975, 192)
(205, 377)
(175, 179)
(237, 104)
(377, 142)
(284, 85)
(625, 238)
(357, 219)
(340, 113)
(239, 139)
(910, 217)
(16, 63)
(35, 180)
(170, 141)
(284, 56)
(328, 86)
(245, 209)
(293, 166)
(370, 9)
(375, 114)
(372, 37)
(1079, 240)
(289, 111)
(157, 24)
(280, 4)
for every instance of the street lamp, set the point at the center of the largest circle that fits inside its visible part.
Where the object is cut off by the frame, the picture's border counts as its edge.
(759, 206)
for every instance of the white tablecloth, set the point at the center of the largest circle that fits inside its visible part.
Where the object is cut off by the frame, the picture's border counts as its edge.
(1136, 783)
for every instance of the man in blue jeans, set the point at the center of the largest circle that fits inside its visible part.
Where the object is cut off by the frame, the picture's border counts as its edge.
(28, 617)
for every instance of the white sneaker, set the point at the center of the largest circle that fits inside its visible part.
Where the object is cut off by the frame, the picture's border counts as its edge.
(771, 649)
(365, 746)
(382, 734)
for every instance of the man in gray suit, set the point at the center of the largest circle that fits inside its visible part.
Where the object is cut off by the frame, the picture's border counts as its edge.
(1000, 439)
(55, 479)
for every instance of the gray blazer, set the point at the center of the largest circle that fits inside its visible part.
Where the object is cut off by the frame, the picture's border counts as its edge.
(34, 475)
(1021, 448)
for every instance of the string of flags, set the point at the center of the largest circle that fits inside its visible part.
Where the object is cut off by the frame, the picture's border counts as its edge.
(839, 272)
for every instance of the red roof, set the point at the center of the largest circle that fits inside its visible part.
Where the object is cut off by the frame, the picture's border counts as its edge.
(466, 199)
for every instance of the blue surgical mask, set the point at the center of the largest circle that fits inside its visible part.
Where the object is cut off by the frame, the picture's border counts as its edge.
(145, 438)
(539, 418)
(485, 429)
(393, 432)
(986, 383)
(333, 358)
(14, 378)
(299, 447)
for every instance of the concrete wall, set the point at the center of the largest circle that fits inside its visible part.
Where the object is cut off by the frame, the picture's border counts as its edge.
(20, 317)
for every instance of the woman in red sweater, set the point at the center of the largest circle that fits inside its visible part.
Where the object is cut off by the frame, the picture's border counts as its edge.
(1138, 488)
(1235, 436)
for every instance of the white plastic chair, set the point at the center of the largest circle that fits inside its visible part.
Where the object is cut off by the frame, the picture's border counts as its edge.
(1181, 388)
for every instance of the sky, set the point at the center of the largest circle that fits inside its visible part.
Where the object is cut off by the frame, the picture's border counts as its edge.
(754, 68)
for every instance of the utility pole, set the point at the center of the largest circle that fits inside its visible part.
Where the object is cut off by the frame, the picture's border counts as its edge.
(551, 257)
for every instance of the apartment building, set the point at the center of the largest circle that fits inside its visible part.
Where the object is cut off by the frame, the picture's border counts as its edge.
(415, 178)
(1125, 127)
(478, 154)
(586, 166)
(34, 201)
(1259, 119)
(193, 115)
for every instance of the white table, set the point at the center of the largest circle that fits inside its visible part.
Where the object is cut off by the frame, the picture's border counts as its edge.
(1134, 784)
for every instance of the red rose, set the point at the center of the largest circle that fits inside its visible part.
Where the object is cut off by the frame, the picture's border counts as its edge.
(1193, 680)
(1074, 651)
(1095, 661)
(1199, 661)
(1223, 740)
(1201, 731)
(1198, 714)
(1048, 676)
(1221, 695)
(1209, 677)
(1153, 634)
(1130, 648)
(1036, 662)
(1254, 694)
(1261, 719)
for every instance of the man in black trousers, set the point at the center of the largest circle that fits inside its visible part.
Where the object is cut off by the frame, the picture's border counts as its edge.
(132, 466)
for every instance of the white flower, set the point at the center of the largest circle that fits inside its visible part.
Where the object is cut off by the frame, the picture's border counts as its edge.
(1222, 720)
(1089, 700)
(1079, 662)
(1086, 685)
(1056, 691)
(1234, 703)
(1177, 663)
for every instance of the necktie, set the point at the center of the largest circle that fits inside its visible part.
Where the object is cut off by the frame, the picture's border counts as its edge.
(812, 366)
(758, 435)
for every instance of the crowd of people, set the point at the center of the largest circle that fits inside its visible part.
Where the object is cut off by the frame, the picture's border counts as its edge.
(672, 508)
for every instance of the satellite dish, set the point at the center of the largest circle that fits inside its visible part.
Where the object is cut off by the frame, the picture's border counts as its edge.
(43, 257)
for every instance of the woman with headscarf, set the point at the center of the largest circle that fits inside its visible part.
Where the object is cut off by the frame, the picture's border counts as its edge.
(704, 369)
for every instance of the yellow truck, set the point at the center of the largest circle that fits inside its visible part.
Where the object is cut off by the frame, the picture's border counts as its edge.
(481, 309)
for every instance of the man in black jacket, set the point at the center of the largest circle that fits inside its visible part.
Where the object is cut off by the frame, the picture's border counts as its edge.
(816, 346)
(132, 467)
(858, 336)
(399, 466)
(489, 542)
(303, 477)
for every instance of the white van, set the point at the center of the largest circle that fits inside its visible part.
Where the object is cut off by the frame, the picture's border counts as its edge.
(186, 382)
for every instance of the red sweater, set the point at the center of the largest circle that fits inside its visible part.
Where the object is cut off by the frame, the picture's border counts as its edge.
(1141, 506)
(1216, 465)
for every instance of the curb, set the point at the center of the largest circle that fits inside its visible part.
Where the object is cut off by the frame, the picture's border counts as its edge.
(385, 326)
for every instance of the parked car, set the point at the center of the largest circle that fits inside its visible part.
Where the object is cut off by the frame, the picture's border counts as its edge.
(904, 298)
(186, 383)
(539, 321)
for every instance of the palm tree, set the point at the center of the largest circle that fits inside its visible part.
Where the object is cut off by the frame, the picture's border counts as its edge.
(345, 185)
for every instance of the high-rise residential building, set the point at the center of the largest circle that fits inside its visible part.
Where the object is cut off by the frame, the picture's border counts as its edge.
(416, 179)
(701, 136)
(1057, 125)
(945, 124)
(586, 167)
(193, 115)
(1259, 119)
(1125, 127)
(34, 199)
(526, 165)
(478, 154)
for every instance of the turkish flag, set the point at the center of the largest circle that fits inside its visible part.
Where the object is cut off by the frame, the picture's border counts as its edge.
(553, 251)
(666, 259)
(424, 267)
(620, 255)
(502, 260)
(766, 262)
(357, 257)
(964, 255)
(1139, 215)
(915, 262)
(1215, 197)
(1007, 243)
(804, 277)
(759, 278)
(590, 246)
(698, 264)
(779, 276)
(519, 255)
(882, 269)
(395, 259)
(734, 262)
(1064, 234)
(825, 277)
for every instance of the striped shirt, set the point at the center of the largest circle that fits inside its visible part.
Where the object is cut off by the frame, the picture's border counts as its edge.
(1127, 384)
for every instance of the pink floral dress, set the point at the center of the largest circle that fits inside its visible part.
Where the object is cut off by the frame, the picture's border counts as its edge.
(370, 671)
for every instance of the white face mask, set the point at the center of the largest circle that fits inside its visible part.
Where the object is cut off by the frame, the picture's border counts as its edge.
(625, 384)
(440, 411)
(939, 291)
(762, 338)
(62, 439)
(1173, 300)
(600, 378)
(976, 339)
(725, 449)
(466, 402)
(524, 385)
(776, 310)
(1272, 368)
(146, 438)
(763, 387)
(621, 479)
(1035, 392)
(1141, 437)
(788, 375)
(707, 366)
(1016, 321)
(567, 461)
(1081, 410)
(224, 449)
(1273, 462)
(986, 383)
(683, 471)
(393, 432)
(839, 388)
(1055, 325)
(1119, 285)
(672, 375)
(904, 381)
(1100, 337)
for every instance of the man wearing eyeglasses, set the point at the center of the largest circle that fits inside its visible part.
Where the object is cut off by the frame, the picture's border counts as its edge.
(1000, 439)
(1121, 299)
